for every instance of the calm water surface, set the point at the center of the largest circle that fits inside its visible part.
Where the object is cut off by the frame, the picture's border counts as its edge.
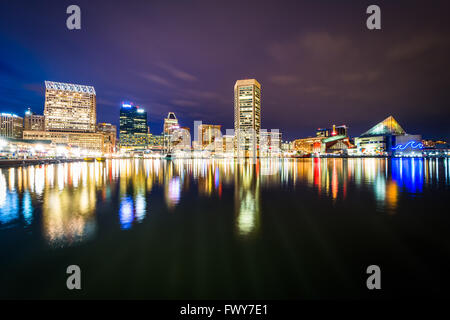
(305, 228)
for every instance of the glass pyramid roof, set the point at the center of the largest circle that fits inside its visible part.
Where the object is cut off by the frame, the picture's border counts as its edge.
(388, 126)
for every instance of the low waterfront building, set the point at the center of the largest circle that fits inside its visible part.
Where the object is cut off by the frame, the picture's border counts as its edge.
(308, 145)
(433, 143)
(339, 144)
(388, 138)
(84, 141)
(12, 148)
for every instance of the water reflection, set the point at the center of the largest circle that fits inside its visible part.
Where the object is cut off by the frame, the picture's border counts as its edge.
(247, 198)
(69, 196)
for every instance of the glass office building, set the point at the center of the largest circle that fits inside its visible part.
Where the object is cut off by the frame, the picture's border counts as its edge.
(133, 131)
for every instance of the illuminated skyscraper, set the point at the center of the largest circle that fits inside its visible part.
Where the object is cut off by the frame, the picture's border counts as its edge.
(170, 126)
(170, 123)
(133, 132)
(247, 117)
(69, 107)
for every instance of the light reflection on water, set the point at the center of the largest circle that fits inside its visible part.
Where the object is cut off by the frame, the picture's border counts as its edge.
(68, 196)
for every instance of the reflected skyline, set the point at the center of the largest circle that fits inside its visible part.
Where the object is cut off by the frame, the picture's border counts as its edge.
(69, 195)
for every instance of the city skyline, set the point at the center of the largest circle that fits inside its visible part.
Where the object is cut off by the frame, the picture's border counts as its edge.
(223, 153)
(315, 74)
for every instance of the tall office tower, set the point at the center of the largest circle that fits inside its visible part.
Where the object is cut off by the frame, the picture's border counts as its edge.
(33, 122)
(247, 117)
(11, 126)
(133, 131)
(69, 107)
(170, 123)
(170, 126)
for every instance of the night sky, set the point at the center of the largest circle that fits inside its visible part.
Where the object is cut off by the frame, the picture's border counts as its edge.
(317, 62)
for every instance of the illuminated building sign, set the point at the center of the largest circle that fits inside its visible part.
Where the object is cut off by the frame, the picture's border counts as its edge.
(412, 144)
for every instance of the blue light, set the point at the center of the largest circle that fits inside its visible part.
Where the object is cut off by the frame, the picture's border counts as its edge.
(126, 212)
(403, 147)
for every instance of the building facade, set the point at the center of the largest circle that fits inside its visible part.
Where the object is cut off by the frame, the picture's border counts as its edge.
(155, 142)
(308, 145)
(171, 125)
(84, 141)
(69, 107)
(133, 131)
(388, 138)
(11, 125)
(207, 135)
(109, 132)
(228, 144)
(33, 122)
(247, 117)
(270, 143)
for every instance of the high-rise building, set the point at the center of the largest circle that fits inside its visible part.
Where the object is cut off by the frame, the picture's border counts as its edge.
(133, 131)
(247, 117)
(109, 132)
(170, 127)
(170, 123)
(11, 125)
(33, 122)
(69, 107)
